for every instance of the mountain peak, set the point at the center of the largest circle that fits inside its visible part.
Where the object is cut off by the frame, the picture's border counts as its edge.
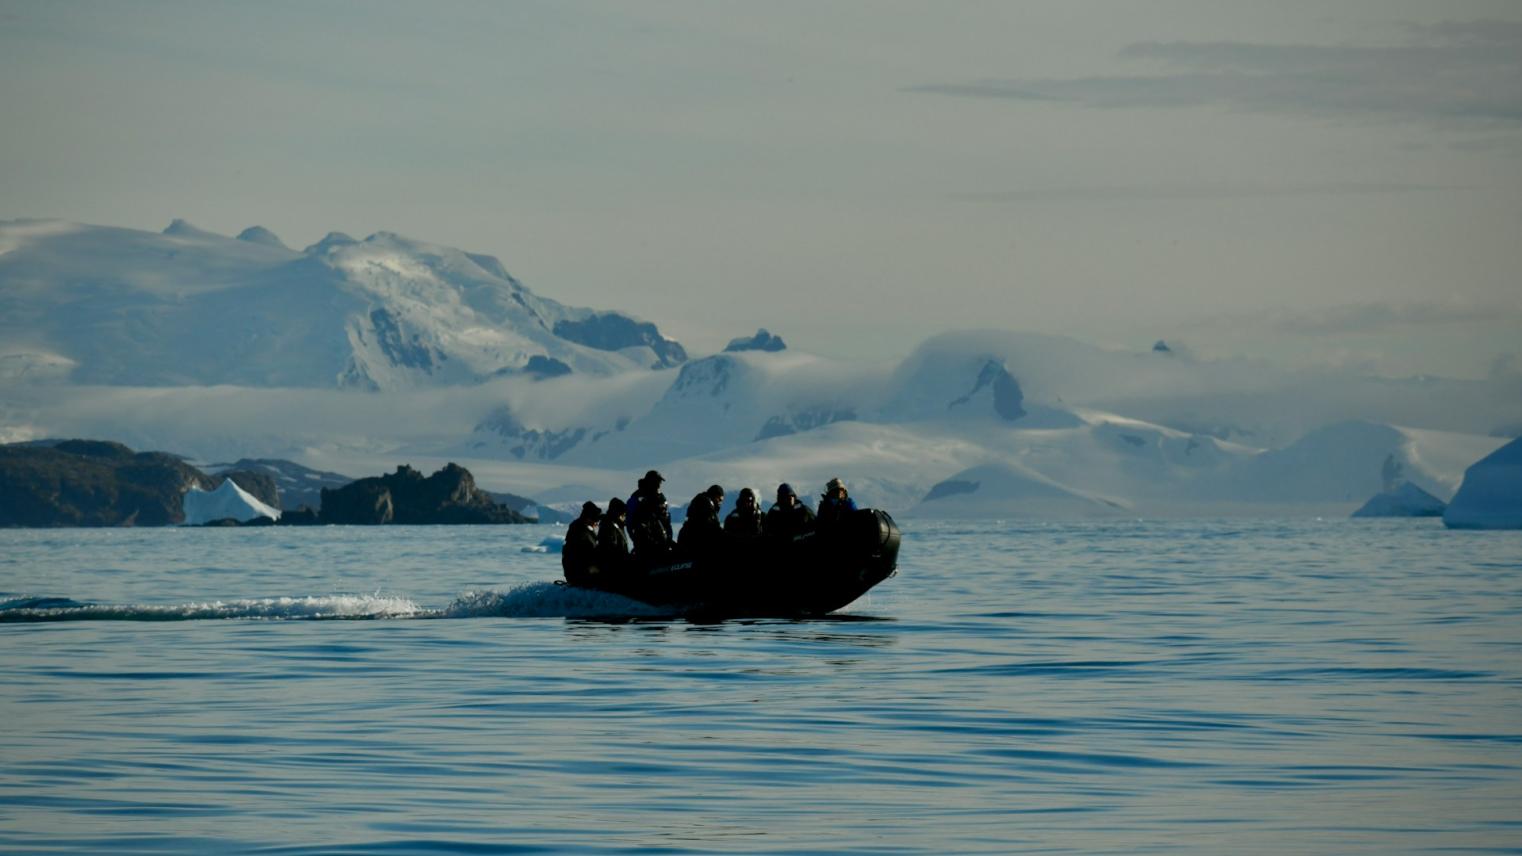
(762, 341)
(258, 235)
(182, 228)
(1007, 396)
(328, 242)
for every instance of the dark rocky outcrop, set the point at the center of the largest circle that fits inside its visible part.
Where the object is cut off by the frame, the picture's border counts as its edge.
(805, 419)
(449, 496)
(402, 348)
(1007, 397)
(764, 340)
(541, 367)
(303, 516)
(610, 331)
(93, 483)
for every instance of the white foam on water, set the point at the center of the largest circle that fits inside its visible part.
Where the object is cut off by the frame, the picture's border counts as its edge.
(546, 600)
(278, 608)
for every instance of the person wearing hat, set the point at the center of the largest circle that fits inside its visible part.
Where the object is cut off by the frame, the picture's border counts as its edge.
(835, 503)
(579, 556)
(648, 520)
(744, 523)
(647, 486)
(613, 541)
(702, 531)
(788, 518)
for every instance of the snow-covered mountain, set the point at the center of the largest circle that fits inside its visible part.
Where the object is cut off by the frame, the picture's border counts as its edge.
(226, 348)
(117, 306)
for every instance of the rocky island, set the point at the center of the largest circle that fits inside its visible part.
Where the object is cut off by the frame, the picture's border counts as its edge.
(407, 497)
(105, 483)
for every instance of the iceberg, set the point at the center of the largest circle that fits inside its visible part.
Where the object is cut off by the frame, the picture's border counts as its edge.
(1491, 495)
(228, 500)
(1407, 500)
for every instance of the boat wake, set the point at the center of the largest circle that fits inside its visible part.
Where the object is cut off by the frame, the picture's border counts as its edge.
(532, 600)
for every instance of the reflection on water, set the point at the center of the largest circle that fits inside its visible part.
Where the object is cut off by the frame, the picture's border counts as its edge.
(1122, 687)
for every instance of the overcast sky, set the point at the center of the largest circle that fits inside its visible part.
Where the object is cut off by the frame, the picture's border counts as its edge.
(1337, 182)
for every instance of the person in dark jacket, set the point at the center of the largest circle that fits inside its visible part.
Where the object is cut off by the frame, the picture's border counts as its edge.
(647, 504)
(579, 556)
(835, 503)
(650, 530)
(701, 531)
(744, 523)
(613, 542)
(788, 518)
(648, 486)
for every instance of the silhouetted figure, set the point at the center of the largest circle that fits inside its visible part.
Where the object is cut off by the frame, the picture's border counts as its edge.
(646, 512)
(650, 530)
(578, 559)
(702, 531)
(744, 524)
(788, 518)
(613, 542)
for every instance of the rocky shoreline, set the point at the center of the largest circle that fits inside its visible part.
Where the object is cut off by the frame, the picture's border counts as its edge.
(95, 483)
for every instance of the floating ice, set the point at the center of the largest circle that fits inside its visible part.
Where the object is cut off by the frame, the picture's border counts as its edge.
(228, 500)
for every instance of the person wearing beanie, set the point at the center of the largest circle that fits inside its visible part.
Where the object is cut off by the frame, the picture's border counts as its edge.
(788, 518)
(744, 525)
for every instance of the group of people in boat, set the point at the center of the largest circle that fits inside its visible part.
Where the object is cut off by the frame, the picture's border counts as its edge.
(634, 533)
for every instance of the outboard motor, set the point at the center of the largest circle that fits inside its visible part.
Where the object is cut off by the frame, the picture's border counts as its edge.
(870, 540)
(884, 556)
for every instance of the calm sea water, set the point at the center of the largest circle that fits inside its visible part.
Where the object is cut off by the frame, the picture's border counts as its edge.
(1209, 687)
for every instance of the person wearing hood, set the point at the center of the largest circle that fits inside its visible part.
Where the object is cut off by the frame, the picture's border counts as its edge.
(613, 541)
(744, 523)
(702, 530)
(788, 518)
(578, 559)
(835, 503)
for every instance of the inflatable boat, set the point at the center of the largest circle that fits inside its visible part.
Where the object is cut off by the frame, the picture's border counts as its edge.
(812, 574)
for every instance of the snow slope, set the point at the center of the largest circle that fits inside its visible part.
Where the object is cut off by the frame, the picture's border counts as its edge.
(187, 307)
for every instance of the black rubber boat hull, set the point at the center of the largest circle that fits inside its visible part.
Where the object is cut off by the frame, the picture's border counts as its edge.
(814, 574)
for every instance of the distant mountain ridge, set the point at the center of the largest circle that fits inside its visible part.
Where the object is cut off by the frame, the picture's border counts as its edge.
(227, 347)
(187, 307)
